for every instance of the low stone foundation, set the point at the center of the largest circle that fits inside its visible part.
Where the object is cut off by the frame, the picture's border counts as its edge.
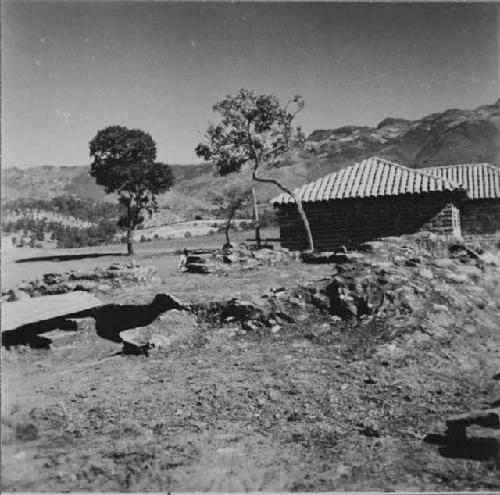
(100, 280)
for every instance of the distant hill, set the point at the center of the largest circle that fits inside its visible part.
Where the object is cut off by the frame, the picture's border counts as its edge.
(451, 137)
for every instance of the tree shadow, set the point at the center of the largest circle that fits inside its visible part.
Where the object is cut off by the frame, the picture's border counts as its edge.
(477, 448)
(115, 318)
(67, 257)
(30, 334)
(110, 320)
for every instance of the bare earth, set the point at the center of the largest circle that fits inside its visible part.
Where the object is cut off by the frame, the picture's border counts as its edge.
(295, 410)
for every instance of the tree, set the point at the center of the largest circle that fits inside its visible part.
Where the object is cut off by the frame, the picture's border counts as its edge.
(230, 201)
(123, 162)
(255, 129)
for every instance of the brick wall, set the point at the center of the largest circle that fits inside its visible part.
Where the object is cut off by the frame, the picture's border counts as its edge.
(480, 217)
(350, 222)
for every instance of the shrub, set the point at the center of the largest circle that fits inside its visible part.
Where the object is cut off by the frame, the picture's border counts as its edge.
(198, 217)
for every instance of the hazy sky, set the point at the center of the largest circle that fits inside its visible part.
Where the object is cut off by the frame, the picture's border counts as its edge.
(72, 68)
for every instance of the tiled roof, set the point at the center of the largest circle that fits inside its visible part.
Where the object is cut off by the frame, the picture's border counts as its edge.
(480, 180)
(372, 177)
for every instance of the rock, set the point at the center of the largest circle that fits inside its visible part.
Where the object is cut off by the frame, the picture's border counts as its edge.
(370, 247)
(87, 285)
(173, 326)
(56, 289)
(104, 287)
(52, 278)
(440, 307)
(443, 262)
(459, 250)
(244, 311)
(84, 275)
(471, 271)
(455, 277)
(25, 286)
(330, 257)
(159, 341)
(370, 431)
(199, 268)
(17, 295)
(426, 273)
(415, 261)
(251, 326)
(70, 286)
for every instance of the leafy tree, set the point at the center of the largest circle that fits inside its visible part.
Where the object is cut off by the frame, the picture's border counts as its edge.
(123, 162)
(230, 201)
(256, 129)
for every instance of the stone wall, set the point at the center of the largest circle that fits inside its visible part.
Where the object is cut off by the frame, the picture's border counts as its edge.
(480, 217)
(350, 222)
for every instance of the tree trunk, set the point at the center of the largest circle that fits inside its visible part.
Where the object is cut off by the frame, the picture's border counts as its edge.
(256, 219)
(130, 230)
(226, 230)
(302, 213)
(130, 241)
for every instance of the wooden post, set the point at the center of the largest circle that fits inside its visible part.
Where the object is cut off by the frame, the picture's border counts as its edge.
(256, 219)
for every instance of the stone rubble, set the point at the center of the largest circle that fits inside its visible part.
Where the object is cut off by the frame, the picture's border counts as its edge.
(99, 280)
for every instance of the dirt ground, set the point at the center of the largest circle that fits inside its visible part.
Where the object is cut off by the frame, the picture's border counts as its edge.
(26, 264)
(313, 407)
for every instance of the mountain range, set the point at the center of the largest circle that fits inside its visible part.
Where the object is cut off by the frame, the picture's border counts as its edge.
(450, 137)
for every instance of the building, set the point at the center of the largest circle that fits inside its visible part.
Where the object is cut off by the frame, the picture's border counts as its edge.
(376, 198)
(480, 212)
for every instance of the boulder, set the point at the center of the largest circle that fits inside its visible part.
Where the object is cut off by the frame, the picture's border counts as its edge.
(54, 278)
(171, 327)
(87, 285)
(455, 277)
(244, 311)
(443, 262)
(426, 273)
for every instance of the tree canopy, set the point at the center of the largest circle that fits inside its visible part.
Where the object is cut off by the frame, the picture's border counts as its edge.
(124, 163)
(258, 129)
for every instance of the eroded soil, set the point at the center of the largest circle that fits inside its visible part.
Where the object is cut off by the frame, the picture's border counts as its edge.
(319, 405)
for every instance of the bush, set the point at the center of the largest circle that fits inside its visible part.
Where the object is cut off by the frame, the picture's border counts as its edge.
(246, 225)
(198, 217)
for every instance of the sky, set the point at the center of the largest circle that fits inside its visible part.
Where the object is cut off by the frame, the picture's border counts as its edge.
(71, 68)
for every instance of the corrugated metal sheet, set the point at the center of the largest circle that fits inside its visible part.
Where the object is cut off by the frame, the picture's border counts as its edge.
(372, 177)
(480, 180)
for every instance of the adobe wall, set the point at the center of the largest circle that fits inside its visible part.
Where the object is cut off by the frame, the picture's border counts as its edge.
(480, 217)
(350, 222)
